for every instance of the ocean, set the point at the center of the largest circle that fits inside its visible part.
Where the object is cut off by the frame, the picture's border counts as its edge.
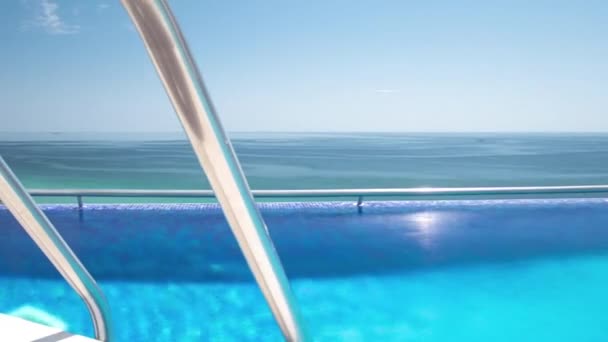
(312, 160)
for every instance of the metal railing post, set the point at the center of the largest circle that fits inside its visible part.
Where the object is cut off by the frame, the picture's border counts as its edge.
(44, 234)
(360, 204)
(176, 67)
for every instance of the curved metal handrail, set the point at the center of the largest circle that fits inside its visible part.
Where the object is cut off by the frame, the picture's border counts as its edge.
(44, 234)
(180, 76)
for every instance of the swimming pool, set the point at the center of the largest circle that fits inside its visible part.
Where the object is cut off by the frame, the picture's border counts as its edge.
(499, 270)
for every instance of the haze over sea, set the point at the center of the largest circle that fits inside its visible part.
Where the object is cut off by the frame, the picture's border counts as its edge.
(312, 160)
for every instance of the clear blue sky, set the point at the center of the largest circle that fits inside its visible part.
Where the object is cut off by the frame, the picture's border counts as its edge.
(317, 65)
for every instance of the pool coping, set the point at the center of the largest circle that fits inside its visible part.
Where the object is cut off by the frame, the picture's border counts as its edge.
(18, 329)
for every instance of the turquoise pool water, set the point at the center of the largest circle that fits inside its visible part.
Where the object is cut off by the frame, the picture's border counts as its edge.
(500, 270)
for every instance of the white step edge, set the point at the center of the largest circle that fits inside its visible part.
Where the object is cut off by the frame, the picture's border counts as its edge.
(15, 329)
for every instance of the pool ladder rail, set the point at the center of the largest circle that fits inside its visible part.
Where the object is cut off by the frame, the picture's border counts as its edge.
(41, 230)
(169, 52)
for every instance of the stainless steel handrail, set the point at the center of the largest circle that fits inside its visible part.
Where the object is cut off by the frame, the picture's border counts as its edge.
(428, 193)
(377, 192)
(174, 63)
(44, 234)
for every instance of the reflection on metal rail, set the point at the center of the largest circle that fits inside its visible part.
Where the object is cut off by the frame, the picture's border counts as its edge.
(184, 85)
(41, 230)
(335, 193)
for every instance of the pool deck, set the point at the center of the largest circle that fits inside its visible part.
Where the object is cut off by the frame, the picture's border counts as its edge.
(15, 329)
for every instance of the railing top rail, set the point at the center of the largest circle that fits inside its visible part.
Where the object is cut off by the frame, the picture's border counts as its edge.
(395, 192)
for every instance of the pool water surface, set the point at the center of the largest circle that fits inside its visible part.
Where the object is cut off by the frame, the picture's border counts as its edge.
(499, 270)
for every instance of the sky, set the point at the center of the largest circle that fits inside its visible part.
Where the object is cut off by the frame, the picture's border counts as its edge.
(317, 65)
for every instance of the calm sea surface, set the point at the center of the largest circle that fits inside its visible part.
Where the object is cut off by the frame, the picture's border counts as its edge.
(316, 160)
